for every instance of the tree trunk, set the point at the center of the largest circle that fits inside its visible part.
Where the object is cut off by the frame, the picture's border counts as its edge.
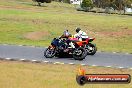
(39, 3)
(124, 10)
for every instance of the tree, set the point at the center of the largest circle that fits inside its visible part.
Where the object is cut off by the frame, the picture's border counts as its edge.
(127, 3)
(42, 1)
(116, 4)
(122, 4)
(87, 4)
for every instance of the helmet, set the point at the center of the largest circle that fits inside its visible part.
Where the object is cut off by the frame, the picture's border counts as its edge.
(66, 33)
(78, 29)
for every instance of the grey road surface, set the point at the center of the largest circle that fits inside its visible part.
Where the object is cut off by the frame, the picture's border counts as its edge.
(36, 53)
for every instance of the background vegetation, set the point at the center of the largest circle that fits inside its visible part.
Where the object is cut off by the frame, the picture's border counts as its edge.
(119, 5)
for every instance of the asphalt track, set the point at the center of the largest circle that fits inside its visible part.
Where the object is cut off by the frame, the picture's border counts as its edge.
(119, 60)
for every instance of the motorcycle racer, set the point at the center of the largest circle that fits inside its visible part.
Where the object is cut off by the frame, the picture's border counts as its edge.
(65, 34)
(81, 35)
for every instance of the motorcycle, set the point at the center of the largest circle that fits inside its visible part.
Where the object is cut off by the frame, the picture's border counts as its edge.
(60, 47)
(88, 45)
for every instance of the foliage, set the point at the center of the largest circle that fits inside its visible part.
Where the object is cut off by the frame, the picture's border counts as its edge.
(116, 4)
(87, 4)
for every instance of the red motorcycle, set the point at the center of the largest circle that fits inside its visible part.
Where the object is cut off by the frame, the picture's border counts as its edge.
(87, 44)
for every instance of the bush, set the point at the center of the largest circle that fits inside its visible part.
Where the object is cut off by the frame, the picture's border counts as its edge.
(87, 5)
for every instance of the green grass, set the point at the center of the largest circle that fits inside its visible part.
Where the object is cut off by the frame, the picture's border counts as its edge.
(31, 75)
(19, 18)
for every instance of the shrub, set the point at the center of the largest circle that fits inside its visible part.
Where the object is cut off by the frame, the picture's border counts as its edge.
(87, 5)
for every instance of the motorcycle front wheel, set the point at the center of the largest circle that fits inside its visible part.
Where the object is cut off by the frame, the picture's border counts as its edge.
(49, 52)
(79, 53)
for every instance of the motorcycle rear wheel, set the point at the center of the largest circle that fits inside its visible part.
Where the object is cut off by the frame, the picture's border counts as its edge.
(91, 49)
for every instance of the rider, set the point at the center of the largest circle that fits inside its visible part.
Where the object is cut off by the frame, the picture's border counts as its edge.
(66, 34)
(80, 34)
(68, 42)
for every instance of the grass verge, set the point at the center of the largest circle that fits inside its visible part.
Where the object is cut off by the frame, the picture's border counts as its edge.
(31, 75)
